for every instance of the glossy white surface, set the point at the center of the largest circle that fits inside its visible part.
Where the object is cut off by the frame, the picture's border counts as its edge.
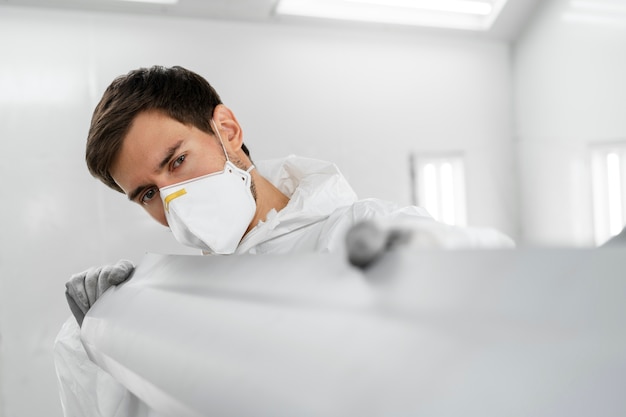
(481, 333)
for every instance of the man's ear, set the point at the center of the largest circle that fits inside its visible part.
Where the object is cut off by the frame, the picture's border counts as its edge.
(229, 127)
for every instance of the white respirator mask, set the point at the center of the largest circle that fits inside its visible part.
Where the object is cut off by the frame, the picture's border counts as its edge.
(211, 212)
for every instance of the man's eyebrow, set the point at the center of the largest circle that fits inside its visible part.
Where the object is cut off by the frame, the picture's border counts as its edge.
(170, 153)
(166, 159)
(132, 196)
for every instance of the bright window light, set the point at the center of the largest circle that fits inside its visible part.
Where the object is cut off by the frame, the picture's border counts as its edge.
(448, 209)
(608, 171)
(457, 14)
(430, 189)
(614, 193)
(439, 182)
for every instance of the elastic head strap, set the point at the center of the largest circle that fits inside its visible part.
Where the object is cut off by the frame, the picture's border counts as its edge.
(250, 168)
(220, 138)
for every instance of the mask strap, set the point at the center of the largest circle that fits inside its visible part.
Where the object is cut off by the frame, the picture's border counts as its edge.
(221, 141)
(250, 168)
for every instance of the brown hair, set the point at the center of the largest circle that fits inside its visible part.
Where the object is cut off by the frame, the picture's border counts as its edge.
(179, 93)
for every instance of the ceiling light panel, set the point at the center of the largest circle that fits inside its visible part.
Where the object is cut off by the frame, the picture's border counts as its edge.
(457, 14)
(152, 1)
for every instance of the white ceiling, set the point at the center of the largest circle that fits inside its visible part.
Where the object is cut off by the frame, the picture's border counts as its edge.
(508, 25)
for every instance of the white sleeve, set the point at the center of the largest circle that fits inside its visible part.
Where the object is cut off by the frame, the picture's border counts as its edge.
(427, 232)
(86, 390)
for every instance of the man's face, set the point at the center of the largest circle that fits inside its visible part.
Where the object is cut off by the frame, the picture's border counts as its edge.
(160, 151)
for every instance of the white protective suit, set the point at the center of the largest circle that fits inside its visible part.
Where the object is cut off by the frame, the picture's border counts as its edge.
(321, 209)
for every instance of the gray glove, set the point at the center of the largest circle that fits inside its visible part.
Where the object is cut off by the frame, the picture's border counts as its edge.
(83, 289)
(367, 241)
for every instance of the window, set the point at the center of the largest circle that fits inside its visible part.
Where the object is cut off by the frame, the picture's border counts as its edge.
(608, 176)
(439, 186)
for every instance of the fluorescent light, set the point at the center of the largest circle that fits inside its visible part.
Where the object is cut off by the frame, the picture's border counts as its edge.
(152, 1)
(457, 14)
(448, 6)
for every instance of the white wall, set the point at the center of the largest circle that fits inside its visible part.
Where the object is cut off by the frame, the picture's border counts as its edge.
(363, 99)
(570, 93)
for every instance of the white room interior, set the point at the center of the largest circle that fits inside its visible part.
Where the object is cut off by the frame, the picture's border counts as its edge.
(524, 104)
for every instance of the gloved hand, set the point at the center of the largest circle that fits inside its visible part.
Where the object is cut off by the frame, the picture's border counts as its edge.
(367, 241)
(83, 289)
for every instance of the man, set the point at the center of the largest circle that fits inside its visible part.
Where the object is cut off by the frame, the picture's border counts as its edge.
(163, 137)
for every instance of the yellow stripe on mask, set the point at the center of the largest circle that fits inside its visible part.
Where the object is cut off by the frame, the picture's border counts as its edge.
(172, 196)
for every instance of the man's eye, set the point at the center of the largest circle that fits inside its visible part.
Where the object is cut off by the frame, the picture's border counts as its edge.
(178, 161)
(148, 195)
